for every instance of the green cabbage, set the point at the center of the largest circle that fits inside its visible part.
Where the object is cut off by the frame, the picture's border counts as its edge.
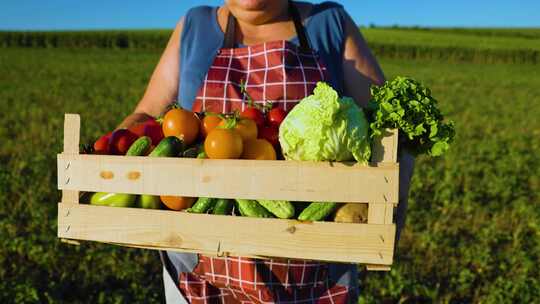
(324, 127)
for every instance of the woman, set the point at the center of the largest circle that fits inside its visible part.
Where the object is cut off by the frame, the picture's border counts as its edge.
(279, 49)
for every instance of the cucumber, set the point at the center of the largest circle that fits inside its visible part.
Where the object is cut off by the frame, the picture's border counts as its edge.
(149, 201)
(251, 208)
(223, 206)
(281, 209)
(168, 147)
(317, 211)
(191, 152)
(299, 207)
(202, 205)
(113, 199)
(139, 147)
(202, 155)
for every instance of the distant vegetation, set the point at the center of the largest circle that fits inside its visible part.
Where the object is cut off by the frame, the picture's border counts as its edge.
(449, 44)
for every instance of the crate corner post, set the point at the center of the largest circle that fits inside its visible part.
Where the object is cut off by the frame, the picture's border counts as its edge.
(72, 125)
(385, 150)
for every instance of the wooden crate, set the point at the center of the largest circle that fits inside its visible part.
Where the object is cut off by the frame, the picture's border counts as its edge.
(371, 243)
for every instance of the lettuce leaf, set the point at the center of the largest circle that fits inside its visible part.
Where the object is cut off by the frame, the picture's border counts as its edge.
(324, 127)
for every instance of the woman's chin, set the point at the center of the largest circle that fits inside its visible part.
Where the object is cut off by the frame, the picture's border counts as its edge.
(250, 5)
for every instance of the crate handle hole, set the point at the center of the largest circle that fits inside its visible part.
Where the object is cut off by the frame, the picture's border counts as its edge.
(106, 174)
(134, 175)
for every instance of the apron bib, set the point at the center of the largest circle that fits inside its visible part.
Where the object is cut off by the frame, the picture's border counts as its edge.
(281, 73)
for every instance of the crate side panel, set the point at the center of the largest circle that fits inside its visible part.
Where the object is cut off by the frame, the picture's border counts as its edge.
(355, 243)
(279, 180)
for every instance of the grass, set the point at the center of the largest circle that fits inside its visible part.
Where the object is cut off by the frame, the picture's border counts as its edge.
(473, 229)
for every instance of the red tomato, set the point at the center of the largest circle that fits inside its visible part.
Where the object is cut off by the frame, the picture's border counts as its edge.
(138, 129)
(154, 131)
(271, 134)
(101, 146)
(254, 114)
(276, 116)
(120, 141)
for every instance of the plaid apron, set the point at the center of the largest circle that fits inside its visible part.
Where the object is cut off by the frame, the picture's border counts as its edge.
(281, 73)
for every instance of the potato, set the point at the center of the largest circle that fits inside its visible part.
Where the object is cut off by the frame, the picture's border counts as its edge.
(352, 213)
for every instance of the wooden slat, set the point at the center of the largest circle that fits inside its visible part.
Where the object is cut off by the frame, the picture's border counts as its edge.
(249, 179)
(384, 148)
(328, 241)
(72, 126)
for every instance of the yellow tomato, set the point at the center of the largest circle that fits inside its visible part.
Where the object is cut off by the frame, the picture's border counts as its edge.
(177, 202)
(182, 124)
(259, 149)
(247, 128)
(223, 144)
(209, 123)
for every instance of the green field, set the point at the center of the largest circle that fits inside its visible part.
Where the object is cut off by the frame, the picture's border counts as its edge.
(448, 44)
(473, 229)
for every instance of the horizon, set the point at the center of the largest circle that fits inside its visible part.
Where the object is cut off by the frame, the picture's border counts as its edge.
(99, 15)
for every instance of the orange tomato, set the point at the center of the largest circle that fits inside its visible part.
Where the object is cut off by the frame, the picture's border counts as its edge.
(182, 124)
(259, 149)
(177, 202)
(223, 144)
(209, 123)
(247, 128)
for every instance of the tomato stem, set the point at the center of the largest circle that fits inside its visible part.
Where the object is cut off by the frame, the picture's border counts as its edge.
(251, 103)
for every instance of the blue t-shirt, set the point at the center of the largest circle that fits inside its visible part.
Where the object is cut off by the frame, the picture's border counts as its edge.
(202, 38)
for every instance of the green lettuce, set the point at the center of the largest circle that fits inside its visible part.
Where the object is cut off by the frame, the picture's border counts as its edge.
(324, 127)
(407, 105)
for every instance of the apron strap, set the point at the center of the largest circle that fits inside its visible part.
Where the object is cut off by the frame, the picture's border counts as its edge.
(300, 30)
(230, 32)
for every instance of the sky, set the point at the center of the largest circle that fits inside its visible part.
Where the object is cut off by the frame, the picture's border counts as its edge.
(139, 14)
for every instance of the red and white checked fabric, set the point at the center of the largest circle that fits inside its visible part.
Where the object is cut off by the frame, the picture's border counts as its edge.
(277, 72)
(246, 280)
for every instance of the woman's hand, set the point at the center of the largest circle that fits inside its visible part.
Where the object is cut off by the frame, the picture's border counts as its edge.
(360, 68)
(163, 86)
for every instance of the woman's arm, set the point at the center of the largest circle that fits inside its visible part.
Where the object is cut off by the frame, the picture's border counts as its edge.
(360, 68)
(163, 86)
(360, 71)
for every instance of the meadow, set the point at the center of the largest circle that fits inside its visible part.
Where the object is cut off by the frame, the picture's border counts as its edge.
(473, 227)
